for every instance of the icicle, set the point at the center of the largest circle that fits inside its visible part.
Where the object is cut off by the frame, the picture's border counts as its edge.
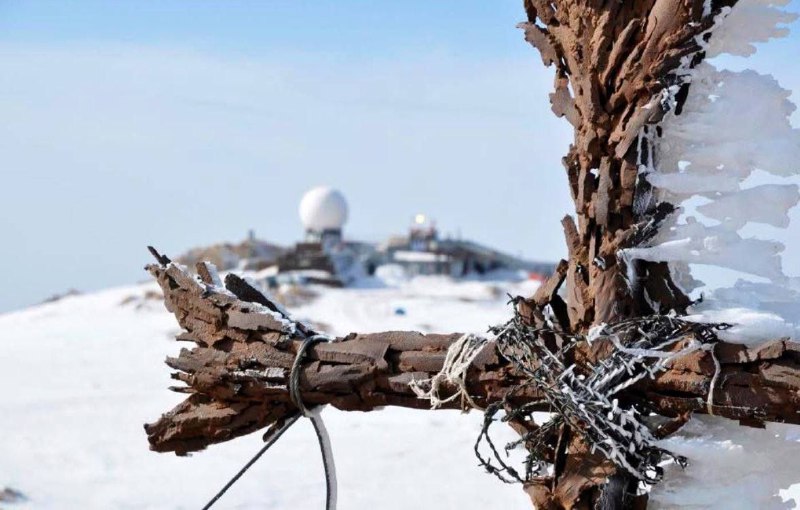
(731, 124)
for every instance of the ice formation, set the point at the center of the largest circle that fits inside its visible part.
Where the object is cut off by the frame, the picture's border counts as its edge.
(730, 467)
(731, 124)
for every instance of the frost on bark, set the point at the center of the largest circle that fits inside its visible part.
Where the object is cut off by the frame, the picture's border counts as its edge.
(236, 376)
(617, 73)
(620, 67)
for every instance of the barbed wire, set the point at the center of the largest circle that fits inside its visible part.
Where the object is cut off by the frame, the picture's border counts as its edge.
(584, 398)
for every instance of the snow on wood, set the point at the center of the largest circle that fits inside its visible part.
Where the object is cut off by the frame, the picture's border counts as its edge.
(241, 385)
(636, 121)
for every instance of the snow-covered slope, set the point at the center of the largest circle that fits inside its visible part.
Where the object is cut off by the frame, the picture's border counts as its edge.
(80, 376)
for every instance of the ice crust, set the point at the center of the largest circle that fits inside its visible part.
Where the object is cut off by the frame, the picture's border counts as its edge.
(731, 125)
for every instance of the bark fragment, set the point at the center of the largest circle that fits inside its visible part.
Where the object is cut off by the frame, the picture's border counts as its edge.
(239, 385)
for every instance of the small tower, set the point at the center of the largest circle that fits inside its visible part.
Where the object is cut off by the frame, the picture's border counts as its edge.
(423, 236)
(323, 211)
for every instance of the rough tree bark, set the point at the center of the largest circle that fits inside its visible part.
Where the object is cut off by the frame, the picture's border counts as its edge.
(614, 60)
(237, 376)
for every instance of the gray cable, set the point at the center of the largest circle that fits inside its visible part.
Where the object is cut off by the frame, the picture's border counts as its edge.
(273, 435)
(316, 420)
(294, 375)
(273, 438)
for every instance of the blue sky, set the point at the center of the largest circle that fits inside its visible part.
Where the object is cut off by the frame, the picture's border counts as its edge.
(182, 123)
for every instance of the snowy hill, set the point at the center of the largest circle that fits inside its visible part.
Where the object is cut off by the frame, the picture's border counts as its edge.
(81, 375)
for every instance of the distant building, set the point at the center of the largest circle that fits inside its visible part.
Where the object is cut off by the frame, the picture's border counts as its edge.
(325, 256)
(423, 252)
(323, 212)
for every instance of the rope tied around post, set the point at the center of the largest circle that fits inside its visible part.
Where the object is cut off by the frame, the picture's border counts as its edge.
(460, 356)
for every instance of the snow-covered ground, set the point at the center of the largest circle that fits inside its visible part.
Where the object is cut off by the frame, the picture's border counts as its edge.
(80, 376)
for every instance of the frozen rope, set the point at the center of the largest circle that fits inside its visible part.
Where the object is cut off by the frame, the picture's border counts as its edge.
(315, 416)
(459, 358)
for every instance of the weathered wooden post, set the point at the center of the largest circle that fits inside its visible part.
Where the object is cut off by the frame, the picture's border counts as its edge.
(620, 67)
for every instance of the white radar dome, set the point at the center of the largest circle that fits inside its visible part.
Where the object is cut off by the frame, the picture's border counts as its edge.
(323, 208)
